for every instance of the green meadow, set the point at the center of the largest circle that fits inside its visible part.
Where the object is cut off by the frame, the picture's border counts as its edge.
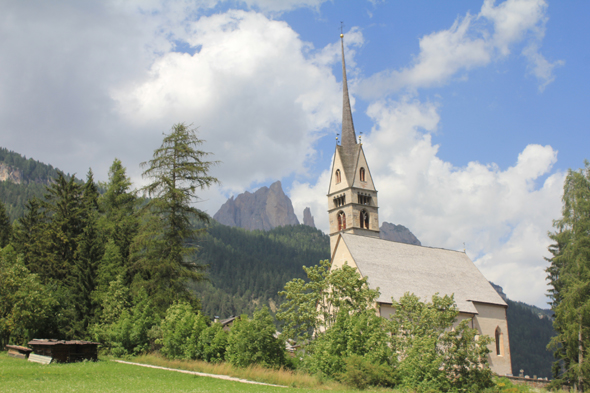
(17, 375)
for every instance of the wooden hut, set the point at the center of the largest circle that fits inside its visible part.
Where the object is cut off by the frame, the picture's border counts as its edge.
(65, 351)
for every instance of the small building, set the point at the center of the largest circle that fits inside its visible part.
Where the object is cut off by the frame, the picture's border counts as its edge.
(62, 351)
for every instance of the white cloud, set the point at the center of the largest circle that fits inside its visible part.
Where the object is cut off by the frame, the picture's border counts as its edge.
(259, 107)
(502, 216)
(472, 41)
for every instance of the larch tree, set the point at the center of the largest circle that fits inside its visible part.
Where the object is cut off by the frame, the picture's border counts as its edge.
(165, 243)
(569, 276)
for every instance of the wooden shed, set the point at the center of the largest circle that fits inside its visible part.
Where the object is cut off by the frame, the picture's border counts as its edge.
(65, 351)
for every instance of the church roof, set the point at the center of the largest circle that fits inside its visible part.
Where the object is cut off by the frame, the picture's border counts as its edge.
(396, 268)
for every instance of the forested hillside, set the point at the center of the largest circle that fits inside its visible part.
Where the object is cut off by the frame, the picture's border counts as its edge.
(529, 333)
(249, 268)
(23, 179)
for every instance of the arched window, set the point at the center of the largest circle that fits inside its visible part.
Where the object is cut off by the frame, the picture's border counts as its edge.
(341, 221)
(362, 174)
(364, 220)
(338, 176)
(499, 342)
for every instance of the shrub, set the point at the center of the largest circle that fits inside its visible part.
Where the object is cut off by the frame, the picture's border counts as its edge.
(254, 342)
(361, 372)
(181, 330)
(212, 344)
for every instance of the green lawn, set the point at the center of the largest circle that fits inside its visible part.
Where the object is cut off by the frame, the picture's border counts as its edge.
(17, 375)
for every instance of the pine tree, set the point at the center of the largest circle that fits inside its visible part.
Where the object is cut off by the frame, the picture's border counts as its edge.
(569, 275)
(165, 245)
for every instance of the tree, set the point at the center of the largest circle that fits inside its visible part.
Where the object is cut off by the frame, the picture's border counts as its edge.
(569, 275)
(314, 306)
(26, 303)
(419, 347)
(164, 245)
(254, 342)
(433, 354)
(64, 206)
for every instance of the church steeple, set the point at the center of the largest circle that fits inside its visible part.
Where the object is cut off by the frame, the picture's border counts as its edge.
(348, 134)
(352, 197)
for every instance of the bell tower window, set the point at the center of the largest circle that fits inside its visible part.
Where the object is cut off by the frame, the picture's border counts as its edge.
(341, 221)
(364, 218)
(338, 176)
(362, 174)
(364, 199)
(340, 200)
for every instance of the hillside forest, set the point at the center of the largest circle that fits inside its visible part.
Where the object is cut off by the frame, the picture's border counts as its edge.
(83, 248)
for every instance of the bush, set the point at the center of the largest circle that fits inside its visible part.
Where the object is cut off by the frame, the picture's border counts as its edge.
(254, 342)
(361, 372)
(125, 330)
(181, 330)
(212, 344)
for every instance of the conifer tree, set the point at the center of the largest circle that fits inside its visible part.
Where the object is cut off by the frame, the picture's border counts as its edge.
(569, 275)
(177, 170)
(31, 240)
(88, 255)
(64, 206)
(118, 204)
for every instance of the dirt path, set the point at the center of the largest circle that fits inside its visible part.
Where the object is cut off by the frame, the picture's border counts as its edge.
(227, 378)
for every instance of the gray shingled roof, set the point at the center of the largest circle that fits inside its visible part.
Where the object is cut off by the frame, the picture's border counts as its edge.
(397, 268)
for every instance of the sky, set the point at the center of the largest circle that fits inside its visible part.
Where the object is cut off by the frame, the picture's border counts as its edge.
(471, 112)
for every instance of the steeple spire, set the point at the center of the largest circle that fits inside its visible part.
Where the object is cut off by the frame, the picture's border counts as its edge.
(348, 134)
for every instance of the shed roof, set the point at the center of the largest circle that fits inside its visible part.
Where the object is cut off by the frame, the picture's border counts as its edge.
(396, 268)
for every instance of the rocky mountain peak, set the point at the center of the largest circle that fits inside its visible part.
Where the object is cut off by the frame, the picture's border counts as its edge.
(308, 218)
(265, 209)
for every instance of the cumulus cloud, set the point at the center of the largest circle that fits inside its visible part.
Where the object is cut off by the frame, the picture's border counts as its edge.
(258, 99)
(502, 216)
(472, 41)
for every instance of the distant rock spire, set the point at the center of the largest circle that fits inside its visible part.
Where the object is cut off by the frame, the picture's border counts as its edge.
(308, 218)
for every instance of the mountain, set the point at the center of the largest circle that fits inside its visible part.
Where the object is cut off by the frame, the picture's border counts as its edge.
(308, 218)
(265, 209)
(248, 268)
(398, 233)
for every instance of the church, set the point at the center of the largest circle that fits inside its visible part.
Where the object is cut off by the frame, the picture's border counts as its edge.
(396, 268)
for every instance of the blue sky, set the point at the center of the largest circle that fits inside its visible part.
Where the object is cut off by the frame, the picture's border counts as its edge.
(471, 111)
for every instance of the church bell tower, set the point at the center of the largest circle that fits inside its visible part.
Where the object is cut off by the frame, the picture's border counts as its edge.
(352, 197)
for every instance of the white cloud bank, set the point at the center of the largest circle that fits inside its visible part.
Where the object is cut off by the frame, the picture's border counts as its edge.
(473, 41)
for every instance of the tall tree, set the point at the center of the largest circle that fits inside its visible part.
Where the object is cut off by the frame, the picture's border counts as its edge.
(65, 207)
(89, 252)
(31, 240)
(569, 275)
(118, 204)
(164, 247)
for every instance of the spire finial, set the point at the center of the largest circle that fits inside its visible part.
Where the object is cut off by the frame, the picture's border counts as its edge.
(348, 134)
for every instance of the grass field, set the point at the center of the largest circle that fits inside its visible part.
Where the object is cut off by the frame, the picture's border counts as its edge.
(17, 375)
